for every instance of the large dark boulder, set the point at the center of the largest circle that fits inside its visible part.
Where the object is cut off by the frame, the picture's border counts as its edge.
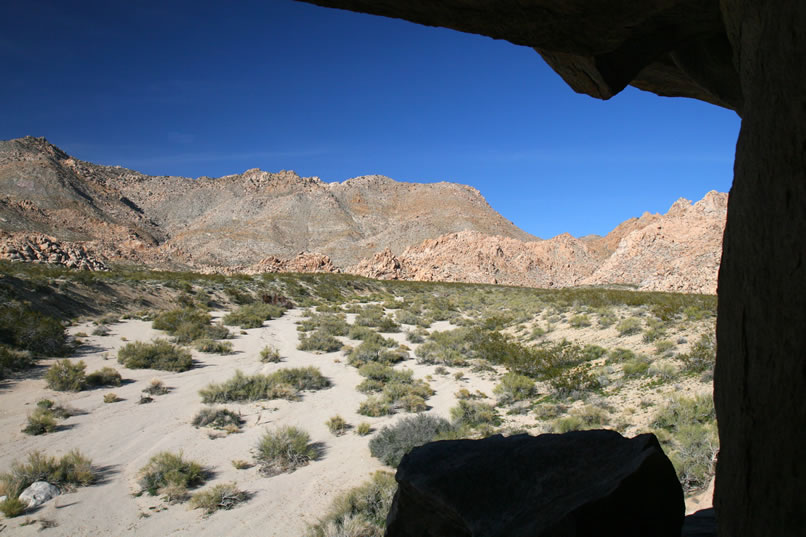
(589, 483)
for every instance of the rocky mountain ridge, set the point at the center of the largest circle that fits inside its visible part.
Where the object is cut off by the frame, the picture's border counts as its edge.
(58, 209)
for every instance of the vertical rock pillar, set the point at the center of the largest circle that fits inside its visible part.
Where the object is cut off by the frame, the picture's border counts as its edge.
(760, 379)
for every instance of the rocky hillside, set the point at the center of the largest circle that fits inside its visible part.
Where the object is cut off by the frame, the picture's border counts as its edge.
(229, 221)
(57, 209)
(678, 251)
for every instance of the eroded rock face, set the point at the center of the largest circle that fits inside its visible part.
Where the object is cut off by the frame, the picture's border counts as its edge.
(589, 483)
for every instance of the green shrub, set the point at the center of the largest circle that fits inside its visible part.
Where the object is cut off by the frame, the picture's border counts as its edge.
(159, 354)
(702, 355)
(156, 387)
(104, 377)
(337, 425)
(188, 324)
(406, 317)
(111, 398)
(580, 321)
(12, 507)
(514, 387)
(372, 352)
(606, 319)
(213, 346)
(416, 336)
(319, 341)
(12, 360)
(171, 475)
(40, 421)
(270, 355)
(663, 346)
(374, 407)
(328, 323)
(433, 352)
(392, 443)
(223, 496)
(217, 418)
(23, 328)
(474, 414)
(284, 450)
(282, 384)
(66, 376)
(73, 469)
(363, 429)
(679, 411)
(619, 355)
(587, 417)
(636, 367)
(237, 296)
(253, 315)
(360, 512)
(628, 327)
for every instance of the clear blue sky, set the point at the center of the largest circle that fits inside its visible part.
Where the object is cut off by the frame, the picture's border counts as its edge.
(198, 88)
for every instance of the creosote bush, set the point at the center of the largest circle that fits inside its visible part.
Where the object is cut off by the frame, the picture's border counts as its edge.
(212, 346)
(171, 475)
(392, 443)
(628, 327)
(282, 384)
(73, 469)
(337, 425)
(12, 360)
(66, 376)
(104, 377)
(224, 496)
(587, 417)
(217, 418)
(514, 387)
(473, 414)
(359, 512)
(253, 315)
(25, 329)
(270, 355)
(159, 354)
(284, 450)
(319, 341)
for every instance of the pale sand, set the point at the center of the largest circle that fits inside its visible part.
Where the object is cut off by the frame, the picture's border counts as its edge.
(121, 437)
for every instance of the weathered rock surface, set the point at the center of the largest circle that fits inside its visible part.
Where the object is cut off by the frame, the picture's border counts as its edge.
(38, 493)
(39, 248)
(678, 251)
(590, 483)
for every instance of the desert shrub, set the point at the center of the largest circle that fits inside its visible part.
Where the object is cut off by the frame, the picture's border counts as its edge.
(474, 414)
(253, 315)
(606, 318)
(105, 376)
(111, 398)
(12, 507)
(282, 384)
(370, 351)
(434, 352)
(702, 355)
(514, 387)
(187, 324)
(359, 512)
(628, 327)
(66, 376)
(587, 417)
(12, 360)
(417, 335)
(406, 317)
(664, 372)
(547, 411)
(337, 425)
(217, 418)
(619, 355)
(73, 469)
(41, 421)
(223, 496)
(240, 464)
(270, 354)
(156, 387)
(392, 443)
(362, 333)
(171, 475)
(687, 428)
(580, 321)
(159, 354)
(319, 341)
(663, 346)
(25, 329)
(363, 429)
(374, 407)
(101, 330)
(635, 367)
(213, 346)
(237, 296)
(284, 450)
(328, 323)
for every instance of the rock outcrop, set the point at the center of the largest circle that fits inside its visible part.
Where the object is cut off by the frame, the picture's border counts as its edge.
(39, 248)
(678, 252)
(302, 262)
(589, 483)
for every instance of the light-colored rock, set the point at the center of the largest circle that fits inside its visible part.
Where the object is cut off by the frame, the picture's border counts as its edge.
(38, 493)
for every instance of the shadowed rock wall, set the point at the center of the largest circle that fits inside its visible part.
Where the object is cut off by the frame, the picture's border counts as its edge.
(750, 56)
